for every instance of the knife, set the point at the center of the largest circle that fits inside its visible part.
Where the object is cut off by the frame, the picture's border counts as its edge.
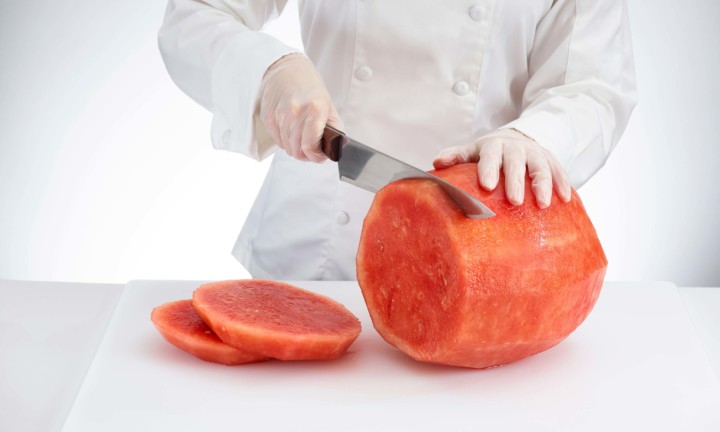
(370, 169)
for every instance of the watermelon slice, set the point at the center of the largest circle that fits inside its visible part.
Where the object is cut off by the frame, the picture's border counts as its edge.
(446, 289)
(276, 319)
(180, 325)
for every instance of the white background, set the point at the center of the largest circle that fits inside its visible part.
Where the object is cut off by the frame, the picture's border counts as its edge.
(107, 172)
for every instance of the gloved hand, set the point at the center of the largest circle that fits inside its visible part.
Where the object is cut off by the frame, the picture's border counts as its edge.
(295, 106)
(513, 151)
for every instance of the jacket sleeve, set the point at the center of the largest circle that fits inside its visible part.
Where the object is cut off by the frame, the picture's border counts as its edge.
(581, 88)
(215, 52)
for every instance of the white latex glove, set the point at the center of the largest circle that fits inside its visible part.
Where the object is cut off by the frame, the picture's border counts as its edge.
(513, 151)
(295, 107)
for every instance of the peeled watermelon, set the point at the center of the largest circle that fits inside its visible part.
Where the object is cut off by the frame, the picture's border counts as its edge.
(446, 289)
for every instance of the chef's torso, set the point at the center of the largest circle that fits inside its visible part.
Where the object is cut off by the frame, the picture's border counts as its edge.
(408, 78)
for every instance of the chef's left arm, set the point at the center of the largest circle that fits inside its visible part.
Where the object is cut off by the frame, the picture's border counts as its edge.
(575, 107)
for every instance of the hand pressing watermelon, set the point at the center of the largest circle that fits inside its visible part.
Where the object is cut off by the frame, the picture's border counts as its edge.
(446, 289)
(180, 325)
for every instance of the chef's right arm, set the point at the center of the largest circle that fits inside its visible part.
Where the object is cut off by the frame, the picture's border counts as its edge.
(259, 90)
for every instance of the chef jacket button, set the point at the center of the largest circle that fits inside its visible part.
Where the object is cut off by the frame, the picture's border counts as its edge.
(477, 12)
(363, 73)
(461, 88)
(225, 137)
(342, 218)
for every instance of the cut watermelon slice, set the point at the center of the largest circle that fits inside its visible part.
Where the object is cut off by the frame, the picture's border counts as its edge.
(180, 325)
(276, 319)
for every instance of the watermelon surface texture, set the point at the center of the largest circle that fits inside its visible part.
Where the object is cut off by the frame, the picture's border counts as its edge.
(446, 289)
(275, 319)
(180, 325)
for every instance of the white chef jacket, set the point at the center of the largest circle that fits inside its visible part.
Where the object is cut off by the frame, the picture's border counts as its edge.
(408, 78)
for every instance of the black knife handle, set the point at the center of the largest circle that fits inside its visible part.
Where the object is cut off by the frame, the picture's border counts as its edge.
(332, 142)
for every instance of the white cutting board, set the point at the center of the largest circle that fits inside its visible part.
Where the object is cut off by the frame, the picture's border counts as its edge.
(635, 364)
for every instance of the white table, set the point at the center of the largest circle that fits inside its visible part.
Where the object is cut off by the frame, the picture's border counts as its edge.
(50, 333)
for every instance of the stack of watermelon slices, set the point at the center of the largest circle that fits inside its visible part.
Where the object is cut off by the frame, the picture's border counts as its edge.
(244, 321)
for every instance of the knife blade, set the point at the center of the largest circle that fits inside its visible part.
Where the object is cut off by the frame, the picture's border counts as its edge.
(370, 169)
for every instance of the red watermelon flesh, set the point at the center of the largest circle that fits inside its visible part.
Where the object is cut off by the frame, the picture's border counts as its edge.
(446, 289)
(276, 319)
(180, 325)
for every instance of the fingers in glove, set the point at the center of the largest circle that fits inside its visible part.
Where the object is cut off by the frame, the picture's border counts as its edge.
(456, 155)
(560, 181)
(445, 159)
(334, 119)
(290, 126)
(542, 180)
(312, 131)
(491, 159)
(514, 160)
(268, 118)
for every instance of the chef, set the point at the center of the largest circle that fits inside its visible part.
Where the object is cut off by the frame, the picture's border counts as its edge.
(543, 87)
